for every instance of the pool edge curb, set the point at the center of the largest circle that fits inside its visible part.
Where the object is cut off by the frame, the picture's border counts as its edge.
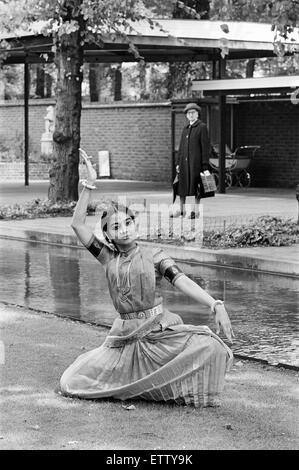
(203, 256)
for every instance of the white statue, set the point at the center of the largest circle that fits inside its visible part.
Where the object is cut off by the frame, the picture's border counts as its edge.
(47, 136)
(49, 120)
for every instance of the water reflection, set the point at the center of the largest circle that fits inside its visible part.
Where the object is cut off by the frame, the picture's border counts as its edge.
(70, 282)
(64, 276)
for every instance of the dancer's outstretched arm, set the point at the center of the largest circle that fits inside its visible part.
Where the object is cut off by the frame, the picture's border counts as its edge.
(193, 290)
(78, 224)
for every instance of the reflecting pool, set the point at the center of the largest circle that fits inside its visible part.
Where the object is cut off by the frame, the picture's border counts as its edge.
(69, 282)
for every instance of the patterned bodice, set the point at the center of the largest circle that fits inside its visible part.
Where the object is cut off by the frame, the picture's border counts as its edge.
(132, 277)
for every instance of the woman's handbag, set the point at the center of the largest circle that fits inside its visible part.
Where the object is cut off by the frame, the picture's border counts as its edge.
(207, 185)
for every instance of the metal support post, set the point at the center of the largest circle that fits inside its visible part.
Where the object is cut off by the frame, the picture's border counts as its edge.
(222, 125)
(26, 121)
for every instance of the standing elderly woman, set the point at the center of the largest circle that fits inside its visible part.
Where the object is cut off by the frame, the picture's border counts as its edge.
(192, 158)
(149, 352)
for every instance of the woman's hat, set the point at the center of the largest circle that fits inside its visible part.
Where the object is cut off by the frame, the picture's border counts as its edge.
(192, 106)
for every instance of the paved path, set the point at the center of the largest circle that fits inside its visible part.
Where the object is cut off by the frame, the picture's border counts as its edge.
(236, 201)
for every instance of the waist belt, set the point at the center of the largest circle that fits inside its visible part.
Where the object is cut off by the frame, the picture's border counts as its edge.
(150, 312)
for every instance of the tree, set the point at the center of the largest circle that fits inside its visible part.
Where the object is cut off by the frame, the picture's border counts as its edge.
(40, 80)
(283, 15)
(192, 9)
(92, 78)
(43, 80)
(11, 79)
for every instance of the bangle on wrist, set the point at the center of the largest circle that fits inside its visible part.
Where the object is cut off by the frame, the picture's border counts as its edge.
(88, 186)
(216, 302)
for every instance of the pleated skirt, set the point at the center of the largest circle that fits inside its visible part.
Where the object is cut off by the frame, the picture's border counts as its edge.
(185, 364)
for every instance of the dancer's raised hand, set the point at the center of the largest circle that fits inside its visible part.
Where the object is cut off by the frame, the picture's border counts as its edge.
(91, 172)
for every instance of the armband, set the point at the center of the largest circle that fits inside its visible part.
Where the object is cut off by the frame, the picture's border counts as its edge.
(172, 273)
(95, 247)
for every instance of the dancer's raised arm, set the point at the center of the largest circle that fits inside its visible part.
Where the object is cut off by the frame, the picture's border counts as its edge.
(78, 224)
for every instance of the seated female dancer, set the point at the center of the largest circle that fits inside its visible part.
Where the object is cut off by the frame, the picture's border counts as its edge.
(149, 353)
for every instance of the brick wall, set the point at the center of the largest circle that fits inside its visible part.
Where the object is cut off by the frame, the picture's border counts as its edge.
(275, 127)
(38, 171)
(15, 171)
(138, 137)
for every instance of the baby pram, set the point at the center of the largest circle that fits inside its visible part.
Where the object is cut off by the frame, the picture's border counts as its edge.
(236, 164)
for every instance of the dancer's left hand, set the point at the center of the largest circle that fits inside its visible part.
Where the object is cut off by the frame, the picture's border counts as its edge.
(222, 321)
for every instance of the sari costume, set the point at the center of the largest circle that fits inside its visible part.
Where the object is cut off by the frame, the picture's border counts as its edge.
(149, 352)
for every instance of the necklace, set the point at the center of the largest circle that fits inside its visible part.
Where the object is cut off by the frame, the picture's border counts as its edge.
(124, 285)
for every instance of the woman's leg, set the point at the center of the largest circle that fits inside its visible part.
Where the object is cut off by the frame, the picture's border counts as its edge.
(196, 206)
(195, 213)
(182, 210)
(182, 204)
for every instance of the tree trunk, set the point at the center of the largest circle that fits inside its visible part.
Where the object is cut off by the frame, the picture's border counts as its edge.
(250, 68)
(93, 89)
(200, 6)
(40, 81)
(101, 78)
(64, 173)
(142, 80)
(117, 84)
(171, 82)
(49, 81)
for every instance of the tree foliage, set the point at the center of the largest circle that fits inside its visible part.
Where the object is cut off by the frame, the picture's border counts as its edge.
(283, 15)
(100, 17)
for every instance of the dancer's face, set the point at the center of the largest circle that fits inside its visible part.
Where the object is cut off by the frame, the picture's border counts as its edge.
(121, 228)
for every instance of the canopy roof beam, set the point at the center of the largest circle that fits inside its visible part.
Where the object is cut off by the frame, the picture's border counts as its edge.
(246, 86)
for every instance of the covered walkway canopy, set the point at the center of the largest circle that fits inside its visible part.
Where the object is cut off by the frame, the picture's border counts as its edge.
(177, 40)
(169, 41)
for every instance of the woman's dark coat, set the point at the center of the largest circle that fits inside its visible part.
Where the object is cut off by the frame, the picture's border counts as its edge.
(192, 157)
